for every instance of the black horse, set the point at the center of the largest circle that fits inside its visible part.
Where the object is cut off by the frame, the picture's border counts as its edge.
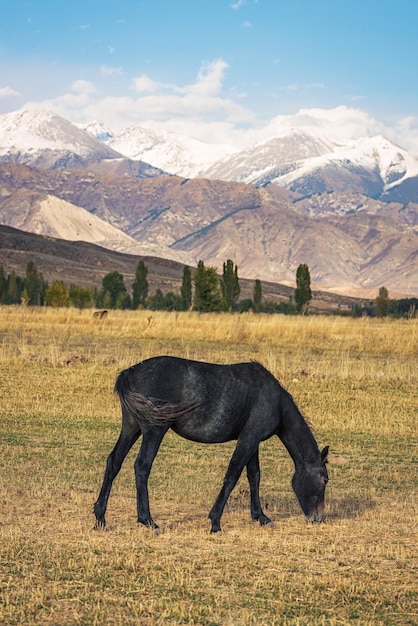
(212, 403)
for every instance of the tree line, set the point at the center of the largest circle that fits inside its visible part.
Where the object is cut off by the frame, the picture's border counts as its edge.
(205, 290)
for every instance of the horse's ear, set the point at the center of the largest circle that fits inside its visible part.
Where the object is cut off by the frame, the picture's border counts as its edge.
(324, 454)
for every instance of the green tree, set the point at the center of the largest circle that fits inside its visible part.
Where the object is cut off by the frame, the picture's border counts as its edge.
(245, 305)
(173, 302)
(80, 297)
(207, 293)
(381, 303)
(124, 301)
(14, 289)
(57, 295)
(113, 289)
(3, 284)
(186, 289)
(303, 293)
(35, 286)
(156, 302)
(140, 286)
(257, 295)
(230, 285)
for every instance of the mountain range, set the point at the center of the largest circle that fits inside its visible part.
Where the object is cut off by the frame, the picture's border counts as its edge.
(350, 212)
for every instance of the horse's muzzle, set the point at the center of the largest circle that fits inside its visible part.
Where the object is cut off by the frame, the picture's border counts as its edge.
(318, 515)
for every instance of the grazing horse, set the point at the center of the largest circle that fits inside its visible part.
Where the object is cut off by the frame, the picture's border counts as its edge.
(211, 403)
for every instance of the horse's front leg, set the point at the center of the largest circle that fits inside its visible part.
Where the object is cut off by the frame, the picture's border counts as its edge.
(253, 475)
(242, 453)
(151, 440)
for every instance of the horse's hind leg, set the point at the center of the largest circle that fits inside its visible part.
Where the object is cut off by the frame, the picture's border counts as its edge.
(128, 436)
(151, 440)
(253, 475)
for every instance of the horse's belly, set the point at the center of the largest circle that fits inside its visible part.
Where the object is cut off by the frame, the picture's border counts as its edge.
(209, 432)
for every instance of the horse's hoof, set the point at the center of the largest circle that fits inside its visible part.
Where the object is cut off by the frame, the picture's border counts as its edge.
(268, 525)
(156, 531)
(100, 526)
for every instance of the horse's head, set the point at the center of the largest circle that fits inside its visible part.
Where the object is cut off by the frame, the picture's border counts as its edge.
(309, 484)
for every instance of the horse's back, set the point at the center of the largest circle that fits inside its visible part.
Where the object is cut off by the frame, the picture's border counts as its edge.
(177, 379)
(226, 394)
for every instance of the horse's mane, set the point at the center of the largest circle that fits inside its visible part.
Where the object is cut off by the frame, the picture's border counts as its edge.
(285, 392)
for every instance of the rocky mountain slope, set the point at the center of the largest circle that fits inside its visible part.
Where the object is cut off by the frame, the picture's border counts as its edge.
(265, 233)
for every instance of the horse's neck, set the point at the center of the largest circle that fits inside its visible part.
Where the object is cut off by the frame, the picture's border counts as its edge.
(297, 436)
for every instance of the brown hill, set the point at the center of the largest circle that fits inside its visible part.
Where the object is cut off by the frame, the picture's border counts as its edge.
(86, 264)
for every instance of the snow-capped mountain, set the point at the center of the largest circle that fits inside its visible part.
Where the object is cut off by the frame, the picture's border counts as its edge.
(97, 130)
(296, 159)
(174, 153)
(43, 139)
(257, 162)
(370, 166)
(28, 135)
(308, 165)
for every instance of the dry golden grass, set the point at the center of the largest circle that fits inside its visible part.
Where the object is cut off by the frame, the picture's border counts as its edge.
(356, 381)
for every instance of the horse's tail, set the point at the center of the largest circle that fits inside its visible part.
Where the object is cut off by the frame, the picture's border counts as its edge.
(150, 410)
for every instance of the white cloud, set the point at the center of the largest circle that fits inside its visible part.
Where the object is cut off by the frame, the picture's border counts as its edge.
(83, 87)
(404, 131)
(205, 109)
(110, 72)
(8, 92)
(209, 79)
(198, 108)
(145, 84)
(339, 124)
(240, 3)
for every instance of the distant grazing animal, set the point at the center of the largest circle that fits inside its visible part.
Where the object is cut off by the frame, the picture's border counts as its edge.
(100, 314)
(211, 403)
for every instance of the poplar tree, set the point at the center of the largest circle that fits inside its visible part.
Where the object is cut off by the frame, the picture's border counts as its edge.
(381, 303)
(13, 291)
(140, 286)
(186, 289)
(257, 295)
(303, 293)
(3, 283)
(35, 286)
(230, 285)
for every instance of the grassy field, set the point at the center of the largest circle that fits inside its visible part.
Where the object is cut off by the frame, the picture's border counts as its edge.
(356, 381)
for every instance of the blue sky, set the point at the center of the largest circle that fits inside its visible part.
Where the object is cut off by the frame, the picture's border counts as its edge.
(228, 71)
